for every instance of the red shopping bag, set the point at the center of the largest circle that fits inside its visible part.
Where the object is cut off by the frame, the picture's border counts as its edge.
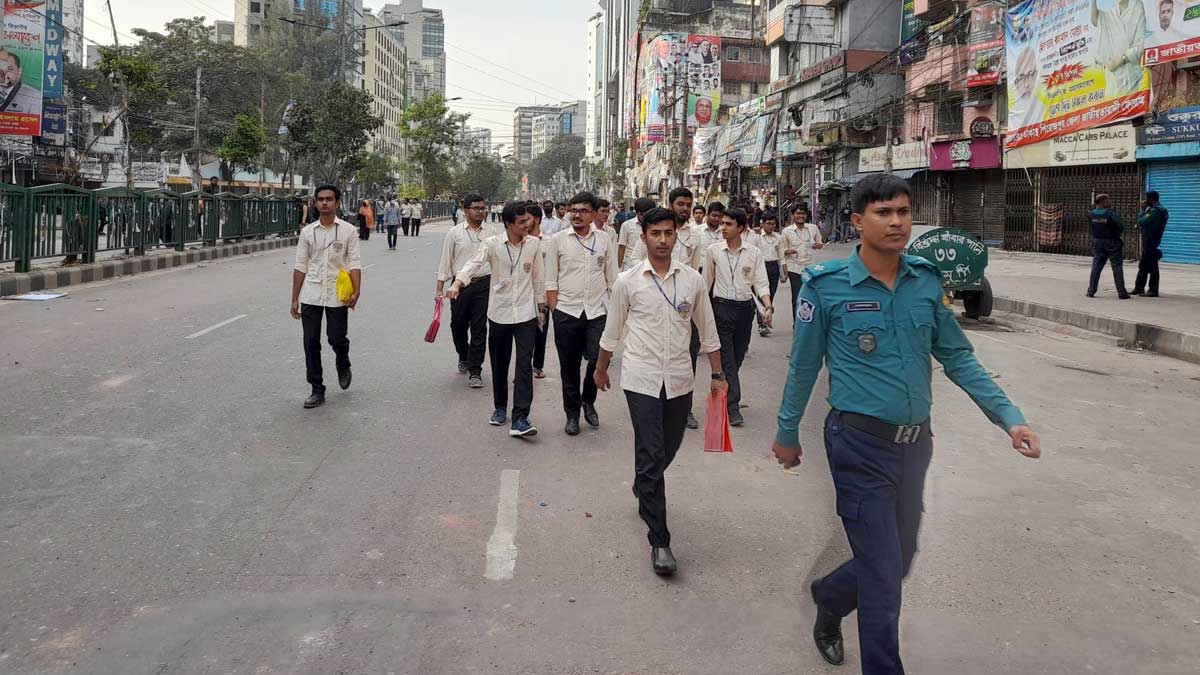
(716, 424)
(431, 334)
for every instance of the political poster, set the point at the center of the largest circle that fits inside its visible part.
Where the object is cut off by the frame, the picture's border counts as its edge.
(659, 86)
(703, 67)
(1174, 30)
(704, 150)
(1073, 65)
(22, 49)
(985, 45)
(914, 43)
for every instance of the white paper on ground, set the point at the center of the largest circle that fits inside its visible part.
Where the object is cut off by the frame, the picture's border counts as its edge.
(36, 296)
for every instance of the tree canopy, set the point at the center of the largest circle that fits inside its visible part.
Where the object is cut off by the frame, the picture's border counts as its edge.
(564, 153)
(433, 133)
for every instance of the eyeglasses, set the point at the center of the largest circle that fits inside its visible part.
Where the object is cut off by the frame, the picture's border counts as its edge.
(581, 212)
(477, 208)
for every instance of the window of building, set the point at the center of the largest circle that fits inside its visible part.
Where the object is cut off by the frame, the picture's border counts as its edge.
(732, 53)
(731, 88)
(950, 116)
(754, 55)
(754, 87)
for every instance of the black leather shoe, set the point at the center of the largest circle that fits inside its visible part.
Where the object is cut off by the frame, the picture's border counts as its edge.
(664, 561)
(1123, 296)
(590, 416)
(1151, 294)
(572, 428)
(344, 377)
(314, 401)
(736, 419)
(1137, 291)
(827, 632)
(691, 421)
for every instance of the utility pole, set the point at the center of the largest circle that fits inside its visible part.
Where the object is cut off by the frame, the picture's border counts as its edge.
(262, 122)
(196, 178)
(683, 133)
(124, 105)
(887, 162)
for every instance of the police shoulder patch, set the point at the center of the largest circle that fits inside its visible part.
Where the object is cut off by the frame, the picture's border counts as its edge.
(805, 311)
(824, 268)
(919, 262)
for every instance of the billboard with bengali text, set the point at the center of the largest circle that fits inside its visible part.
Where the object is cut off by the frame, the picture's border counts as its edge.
(1066, 74)
(22, 51)
(1174, 30)
(985, 45)
(677, 70)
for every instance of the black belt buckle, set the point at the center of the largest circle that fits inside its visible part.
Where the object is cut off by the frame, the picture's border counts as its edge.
(907, 434)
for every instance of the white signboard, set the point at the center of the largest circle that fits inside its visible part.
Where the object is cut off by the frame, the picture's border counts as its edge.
(1108, 145)
(904, 156)
(810, 24)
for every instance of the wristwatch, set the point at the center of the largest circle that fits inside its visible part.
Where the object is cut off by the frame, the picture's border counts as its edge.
(718, 376)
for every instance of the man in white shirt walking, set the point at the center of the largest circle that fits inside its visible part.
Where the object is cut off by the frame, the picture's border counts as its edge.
(652, 310)
(770, 242)
(581, 267)
(415, 222)
(799, 240)
(326, 247)
(469, 310)
(630, 249)
(737, 276)
(551, 224)
(517, 300)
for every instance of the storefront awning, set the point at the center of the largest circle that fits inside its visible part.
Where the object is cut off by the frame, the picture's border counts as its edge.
(907, 173)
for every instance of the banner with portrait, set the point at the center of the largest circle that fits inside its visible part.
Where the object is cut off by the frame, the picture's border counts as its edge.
(1067, 73)
(985, 45)
(1174, 30)
(660, 87)
(703, 66)
(22, 50)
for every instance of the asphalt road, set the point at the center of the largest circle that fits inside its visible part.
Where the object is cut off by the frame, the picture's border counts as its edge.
(167, 506)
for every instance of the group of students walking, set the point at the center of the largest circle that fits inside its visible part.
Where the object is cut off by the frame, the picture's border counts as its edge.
(389, 215)
(665, 289)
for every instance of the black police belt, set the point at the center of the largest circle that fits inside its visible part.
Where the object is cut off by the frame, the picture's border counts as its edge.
(903, 434)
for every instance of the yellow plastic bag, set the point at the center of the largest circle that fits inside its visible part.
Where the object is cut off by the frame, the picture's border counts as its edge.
(345, 286)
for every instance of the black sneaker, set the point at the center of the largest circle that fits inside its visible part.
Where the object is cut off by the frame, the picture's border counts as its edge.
(314, 401)
(736, 419)
(692, 423)
(475, 382)
(344, 377)
(462, 367)
(522, 428)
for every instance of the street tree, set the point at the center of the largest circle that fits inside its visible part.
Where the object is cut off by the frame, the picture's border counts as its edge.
(329, 133)
(433, 133)
(245, 144)
(377, 173)
(482, 174)
(564, 153)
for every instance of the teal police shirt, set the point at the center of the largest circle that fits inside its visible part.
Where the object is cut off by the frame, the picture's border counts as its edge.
(876, 343)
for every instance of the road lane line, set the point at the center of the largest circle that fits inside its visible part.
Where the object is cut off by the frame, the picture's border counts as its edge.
(411, 250)
(501, 549)
(213, 327)
(1028, 349)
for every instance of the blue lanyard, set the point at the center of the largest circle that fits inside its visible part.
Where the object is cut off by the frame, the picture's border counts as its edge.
(674, 292)
(733, 263)
(592, 250)
(512, 264)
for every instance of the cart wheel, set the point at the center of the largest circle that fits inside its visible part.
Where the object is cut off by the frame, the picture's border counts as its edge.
(978, 303)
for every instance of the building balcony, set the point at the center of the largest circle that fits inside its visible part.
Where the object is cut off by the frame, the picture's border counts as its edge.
(941, 71)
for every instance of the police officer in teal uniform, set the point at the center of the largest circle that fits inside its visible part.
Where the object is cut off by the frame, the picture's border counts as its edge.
(874, 319)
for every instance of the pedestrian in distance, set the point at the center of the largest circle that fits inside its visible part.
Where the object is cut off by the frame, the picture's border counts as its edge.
(737, 276)
(325, 248)
(630, 249)
(1107, 246)
(651, 312)
(539, 347)
(877, 435)
(1153, 223)
(516, 305)
(417, 214)
(551, 225)
(800, 239)
(581, 267)
(770, 242)
(469, 310)
(404, 208)
(391, 220)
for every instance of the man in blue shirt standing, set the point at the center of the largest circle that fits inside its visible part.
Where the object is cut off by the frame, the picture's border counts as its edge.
(874, 319)
(1153, 223)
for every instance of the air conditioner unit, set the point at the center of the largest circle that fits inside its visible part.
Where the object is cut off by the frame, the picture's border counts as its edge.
(1187, 64)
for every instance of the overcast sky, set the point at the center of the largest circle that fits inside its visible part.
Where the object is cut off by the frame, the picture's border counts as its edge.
(499, 53)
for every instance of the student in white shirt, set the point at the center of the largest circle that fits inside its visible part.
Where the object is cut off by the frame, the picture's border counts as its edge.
(651, 312)
(469, 312)
(581, 267)
(550, 224)
(680, 202)
(603, 222)
(770, 242)
(325, 247)
(711, 234)
(630, 249)
(799, 240)
(515, 307)
(415, 223)
(699, 216)
(539, 347)
(737, 275)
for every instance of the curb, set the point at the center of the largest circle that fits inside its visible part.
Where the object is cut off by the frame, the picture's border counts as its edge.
(1166, 341)
(15, 284)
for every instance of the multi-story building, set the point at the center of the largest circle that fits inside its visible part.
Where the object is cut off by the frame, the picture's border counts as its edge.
(424, 35)
(545, 128)
(252, 17)
(73, 47)
(523, 128)
(223, 31)
(475, 141)
(385, 74)
(566, 119)
(595, 86)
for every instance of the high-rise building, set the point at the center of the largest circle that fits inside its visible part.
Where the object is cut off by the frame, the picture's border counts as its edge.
(595, 86)
(223, 31)
(385, 70)
(535, 126)
(476, 140)
(73, 48)
(253, 17)
(424, 35)
(523, 128)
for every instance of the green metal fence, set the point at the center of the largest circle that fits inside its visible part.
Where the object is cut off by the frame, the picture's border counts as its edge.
(52, 221)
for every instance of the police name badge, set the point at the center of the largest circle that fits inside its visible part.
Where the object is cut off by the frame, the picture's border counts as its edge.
(804, 313)
(866, 343)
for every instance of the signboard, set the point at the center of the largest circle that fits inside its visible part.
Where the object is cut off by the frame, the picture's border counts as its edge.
(1110, 145)
(977, 153)
(52, 71)
(810, 24)
(960, 257)
(632, 97)
(823, 66)
(1066, 75)
(985, 45)
(1173, 30)
(904, 156)
(22, 50)
(673, 64)
(982, 127)
(914, 41)
(54, 124)
(704, 80)
(1173, 126)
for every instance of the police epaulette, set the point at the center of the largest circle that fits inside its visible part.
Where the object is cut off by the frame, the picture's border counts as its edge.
(921, 262)
(822, 268)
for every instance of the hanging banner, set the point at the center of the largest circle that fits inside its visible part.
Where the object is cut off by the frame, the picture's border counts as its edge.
(1111, 145)
(913, 41)
(1174, 30)
(660, 85)
(985, 45)
(22, 50)
(703, 80)
(52, 72)
(704, 150)
(1066, 74)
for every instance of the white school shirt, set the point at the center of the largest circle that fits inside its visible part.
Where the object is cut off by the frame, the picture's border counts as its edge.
(459, 247)
(709, 238)
(736, 275)
(687, 246)
(320, 254)
(771, 246)
(631, 239)
(552, 225)
(582, 270)
(801, 242)
(416, 210)
(644, 314)
(517, 286)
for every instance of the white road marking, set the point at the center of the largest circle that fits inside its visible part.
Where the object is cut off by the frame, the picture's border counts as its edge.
(116, 381)
(213, 327)
(1028, 349)
(411, 250)
(501, 549)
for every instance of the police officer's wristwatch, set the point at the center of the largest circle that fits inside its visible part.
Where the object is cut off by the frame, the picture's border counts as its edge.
(718, 376)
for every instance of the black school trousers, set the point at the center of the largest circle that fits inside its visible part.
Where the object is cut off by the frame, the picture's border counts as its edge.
(469, 323)
(577, 339)
(501, 338)
(735, 323)
(658, 427)
(336, 320)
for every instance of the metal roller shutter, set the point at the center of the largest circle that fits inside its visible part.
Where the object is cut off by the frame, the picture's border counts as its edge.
(1178, 184)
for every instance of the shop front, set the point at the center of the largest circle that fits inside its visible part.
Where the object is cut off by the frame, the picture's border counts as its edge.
(1170, 149)
(970, 170)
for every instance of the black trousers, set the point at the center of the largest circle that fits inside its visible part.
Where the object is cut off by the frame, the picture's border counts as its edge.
(391, 234)
(404, 223)
(797, 283)
(539, 348)
(468, 316)
(415, 226)
(336, 319)
(658, 427)
(1148, 268)
(773, 283)
(1111, 251)
(576, 340)
(500, 350)
(735, 323)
